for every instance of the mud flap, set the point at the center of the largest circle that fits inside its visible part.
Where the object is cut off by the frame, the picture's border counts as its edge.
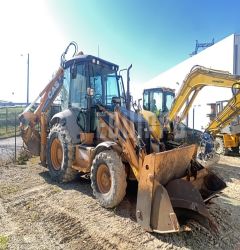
(164, 190)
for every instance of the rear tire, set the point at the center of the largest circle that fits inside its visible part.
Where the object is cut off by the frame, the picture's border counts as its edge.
(60, 154)
(108, 178)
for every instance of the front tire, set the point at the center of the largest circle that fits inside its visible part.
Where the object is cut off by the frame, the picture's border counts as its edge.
(60, 154)
(108, 178)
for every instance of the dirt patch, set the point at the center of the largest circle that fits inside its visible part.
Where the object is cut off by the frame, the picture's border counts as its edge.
(36, 213)
(7, 149)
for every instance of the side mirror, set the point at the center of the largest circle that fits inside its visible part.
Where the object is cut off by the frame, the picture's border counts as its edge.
(116, 100)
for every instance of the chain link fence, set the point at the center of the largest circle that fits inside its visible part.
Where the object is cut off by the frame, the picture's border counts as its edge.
(10, 141)
(9, 121)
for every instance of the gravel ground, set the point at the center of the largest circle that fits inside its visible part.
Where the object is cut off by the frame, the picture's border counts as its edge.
(37, 213)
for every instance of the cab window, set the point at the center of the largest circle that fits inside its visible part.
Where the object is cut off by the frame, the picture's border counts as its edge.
(156, 100)
(79, 88)
(169, 101)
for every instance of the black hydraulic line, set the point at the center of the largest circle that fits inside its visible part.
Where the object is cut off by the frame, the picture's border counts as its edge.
(71, 44)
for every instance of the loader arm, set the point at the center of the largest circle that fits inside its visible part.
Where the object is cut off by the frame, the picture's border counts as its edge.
(198, 78)
(160, 174)
(123, 132)
(230, 111)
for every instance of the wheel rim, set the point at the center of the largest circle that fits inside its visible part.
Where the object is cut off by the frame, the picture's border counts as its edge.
(56, 154)
(103, 178)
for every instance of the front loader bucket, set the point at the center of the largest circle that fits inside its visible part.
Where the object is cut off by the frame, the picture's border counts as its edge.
(164, 189)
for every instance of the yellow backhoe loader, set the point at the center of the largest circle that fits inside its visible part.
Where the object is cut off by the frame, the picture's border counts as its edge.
(96, 134)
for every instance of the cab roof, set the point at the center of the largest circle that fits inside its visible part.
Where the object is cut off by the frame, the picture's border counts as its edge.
(90, 58)
(164, 89)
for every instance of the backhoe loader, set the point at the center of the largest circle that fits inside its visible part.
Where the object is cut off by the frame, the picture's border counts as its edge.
(95, 134)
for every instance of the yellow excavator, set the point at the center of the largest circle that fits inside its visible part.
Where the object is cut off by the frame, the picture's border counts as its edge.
(224, 127)
(168, 118)
(96, 134)
(158, 101)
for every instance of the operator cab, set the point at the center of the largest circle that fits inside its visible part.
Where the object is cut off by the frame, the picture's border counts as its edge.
(158, 100)
(90, 83)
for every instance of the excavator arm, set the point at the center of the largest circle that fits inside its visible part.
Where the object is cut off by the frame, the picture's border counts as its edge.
(198, 78)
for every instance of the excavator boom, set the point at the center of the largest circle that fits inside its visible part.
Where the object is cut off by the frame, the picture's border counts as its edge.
(230, 111)
(198, 78)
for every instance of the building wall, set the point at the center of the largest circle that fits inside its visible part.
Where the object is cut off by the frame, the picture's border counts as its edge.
(222, 56)
(236, 59)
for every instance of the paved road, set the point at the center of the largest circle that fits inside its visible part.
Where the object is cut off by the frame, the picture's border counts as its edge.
(7, 148)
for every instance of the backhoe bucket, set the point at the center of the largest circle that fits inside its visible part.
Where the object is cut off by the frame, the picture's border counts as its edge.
(166, 195)
(32, 140)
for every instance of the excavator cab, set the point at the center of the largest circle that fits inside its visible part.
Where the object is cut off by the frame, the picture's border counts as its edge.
(158, 100)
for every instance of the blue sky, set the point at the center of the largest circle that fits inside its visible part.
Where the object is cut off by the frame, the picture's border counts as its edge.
(152, 35)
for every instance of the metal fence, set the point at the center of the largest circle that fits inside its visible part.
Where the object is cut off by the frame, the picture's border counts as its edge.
(9, 123)
(10, 142)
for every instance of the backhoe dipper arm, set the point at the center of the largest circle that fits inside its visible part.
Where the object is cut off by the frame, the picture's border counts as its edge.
(47, 96)
(198, 78)
(230, 111)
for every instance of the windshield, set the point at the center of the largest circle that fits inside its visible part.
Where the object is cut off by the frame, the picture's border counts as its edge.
(99, 77)
(106, 84)
(152, 101)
